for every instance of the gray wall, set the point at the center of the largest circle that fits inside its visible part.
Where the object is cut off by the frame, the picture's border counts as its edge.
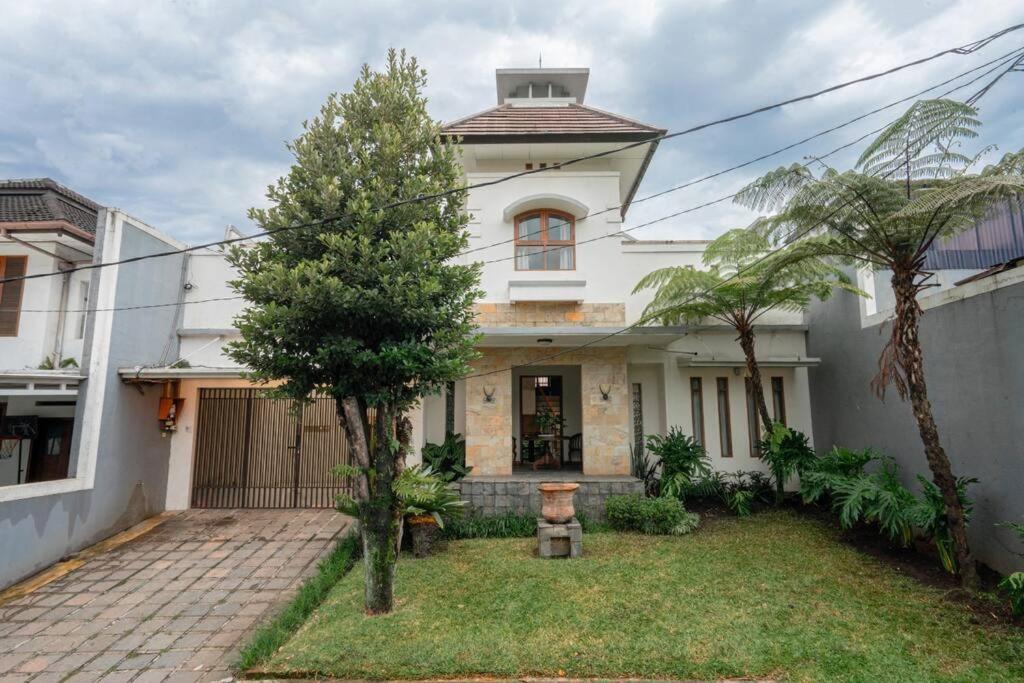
(974, 363)
(131, 465)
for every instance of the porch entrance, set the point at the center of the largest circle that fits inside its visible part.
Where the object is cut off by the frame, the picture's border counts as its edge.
(253, 451)
(547, 419)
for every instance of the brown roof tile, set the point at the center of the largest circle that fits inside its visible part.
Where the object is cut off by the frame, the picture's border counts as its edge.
(569, 122)
(43, 199)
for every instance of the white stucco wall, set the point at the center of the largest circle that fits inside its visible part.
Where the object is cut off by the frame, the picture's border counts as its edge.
(37, 331)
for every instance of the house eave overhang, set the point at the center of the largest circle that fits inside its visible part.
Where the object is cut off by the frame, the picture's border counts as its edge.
(150, 375)
(40, 382)
(734, 362)
(571, 336)
(539, 138)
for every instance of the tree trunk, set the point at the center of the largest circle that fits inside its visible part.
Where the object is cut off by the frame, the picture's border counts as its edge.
(907, 352)
(747, 344)
(381, 516)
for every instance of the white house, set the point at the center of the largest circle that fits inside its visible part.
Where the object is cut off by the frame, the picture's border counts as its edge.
(558, 274)
(45, 228)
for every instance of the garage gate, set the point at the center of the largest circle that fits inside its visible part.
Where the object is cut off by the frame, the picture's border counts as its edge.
(253, 451)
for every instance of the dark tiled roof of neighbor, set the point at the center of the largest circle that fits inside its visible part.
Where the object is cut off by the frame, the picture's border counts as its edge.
(569, 122)
(43, 199)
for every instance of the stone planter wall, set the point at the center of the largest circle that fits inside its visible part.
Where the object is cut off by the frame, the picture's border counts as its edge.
(487, 496)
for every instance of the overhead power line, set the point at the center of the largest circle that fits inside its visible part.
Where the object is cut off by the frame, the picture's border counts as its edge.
(999, 63)
(965, 49)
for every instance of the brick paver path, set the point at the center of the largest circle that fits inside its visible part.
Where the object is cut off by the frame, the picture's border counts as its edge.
(173, 605)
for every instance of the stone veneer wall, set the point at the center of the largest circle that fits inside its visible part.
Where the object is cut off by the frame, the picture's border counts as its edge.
(490, 497)
(605, 422)
(549, 314)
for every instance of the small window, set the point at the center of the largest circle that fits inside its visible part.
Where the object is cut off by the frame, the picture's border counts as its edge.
(753, 421)
(724, 421)
(545, 240)
(10, 293)
(778, 400)
(529, 167)
(697, 409)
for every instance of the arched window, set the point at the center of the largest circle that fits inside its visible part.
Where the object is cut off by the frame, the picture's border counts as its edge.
(545, 240)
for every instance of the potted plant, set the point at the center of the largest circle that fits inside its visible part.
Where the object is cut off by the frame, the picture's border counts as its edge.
(425, 497)
(548, 422)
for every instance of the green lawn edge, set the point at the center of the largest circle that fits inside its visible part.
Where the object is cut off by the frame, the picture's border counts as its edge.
(275, 633)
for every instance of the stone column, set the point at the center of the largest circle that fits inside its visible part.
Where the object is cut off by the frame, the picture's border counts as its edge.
(489, 422)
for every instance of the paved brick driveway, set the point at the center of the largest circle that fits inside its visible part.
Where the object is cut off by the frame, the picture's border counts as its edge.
(175, 604)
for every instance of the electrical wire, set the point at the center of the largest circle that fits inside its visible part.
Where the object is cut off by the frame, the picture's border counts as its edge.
(1010, 56)
(966, 49)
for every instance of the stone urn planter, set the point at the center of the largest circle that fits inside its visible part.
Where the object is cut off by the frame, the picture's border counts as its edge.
(556, 501)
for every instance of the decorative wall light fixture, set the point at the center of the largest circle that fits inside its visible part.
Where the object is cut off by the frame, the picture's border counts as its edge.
(489, 394)
(606, 390)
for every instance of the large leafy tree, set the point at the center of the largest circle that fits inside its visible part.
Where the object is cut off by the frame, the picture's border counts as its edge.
(740, 283)
(910, 187)
(368, 305)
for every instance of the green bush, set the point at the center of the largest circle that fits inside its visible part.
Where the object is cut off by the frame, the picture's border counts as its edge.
(1014, 585)
(682, 460)
(739, 491)
(507, 525)
(662, 516)
(448, 459)
(786, 452)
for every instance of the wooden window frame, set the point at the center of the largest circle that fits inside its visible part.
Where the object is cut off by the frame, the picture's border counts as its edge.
(697, 399)
(724, 436)
(543, 240)
(21, 292)
(753, 419)
(779, 399)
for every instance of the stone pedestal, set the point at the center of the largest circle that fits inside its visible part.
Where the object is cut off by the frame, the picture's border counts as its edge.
(559, 540)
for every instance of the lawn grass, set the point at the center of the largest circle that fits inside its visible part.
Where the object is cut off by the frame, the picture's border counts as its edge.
(314, 591)
(773, 595)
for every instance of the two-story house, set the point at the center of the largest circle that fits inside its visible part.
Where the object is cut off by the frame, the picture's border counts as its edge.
(567, 382)
(45, 229)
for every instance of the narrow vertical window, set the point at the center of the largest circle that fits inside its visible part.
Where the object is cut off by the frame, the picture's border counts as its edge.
(753, 421)
(778, 400)
(697, 409)
(10, 293)
(638, 418)
(83, 302)
(724, 421)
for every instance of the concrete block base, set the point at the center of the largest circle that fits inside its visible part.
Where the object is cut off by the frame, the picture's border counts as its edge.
(559, 540)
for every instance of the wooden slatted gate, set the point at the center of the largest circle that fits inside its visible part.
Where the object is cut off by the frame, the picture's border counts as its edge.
(253, 451)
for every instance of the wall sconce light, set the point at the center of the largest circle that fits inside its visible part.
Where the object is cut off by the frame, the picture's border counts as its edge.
(606, 390)
(489, 394)
(737, 371)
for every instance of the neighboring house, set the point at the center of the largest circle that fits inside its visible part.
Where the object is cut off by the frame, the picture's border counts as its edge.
(558, 273)
(90, 459)
(974, 359)
(44, 228)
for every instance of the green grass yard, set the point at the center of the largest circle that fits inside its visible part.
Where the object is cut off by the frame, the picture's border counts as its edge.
(774, 595)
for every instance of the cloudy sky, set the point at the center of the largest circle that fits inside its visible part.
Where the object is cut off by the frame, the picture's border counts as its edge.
(177, 111)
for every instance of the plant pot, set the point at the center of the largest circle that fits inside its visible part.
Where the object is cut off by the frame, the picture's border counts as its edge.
(556, 502)
(427, 538)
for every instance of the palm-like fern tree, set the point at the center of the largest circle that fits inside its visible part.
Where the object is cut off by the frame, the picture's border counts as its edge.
(739, 285)
(909, 188)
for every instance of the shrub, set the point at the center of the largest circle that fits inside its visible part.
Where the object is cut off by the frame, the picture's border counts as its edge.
(739, 491)
(929, 515)
(423, 492)
(662, 516)
(448, 458)
(507, 525)
(679, 454)
(1014, 585)
(818, 477)
(786, 452)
